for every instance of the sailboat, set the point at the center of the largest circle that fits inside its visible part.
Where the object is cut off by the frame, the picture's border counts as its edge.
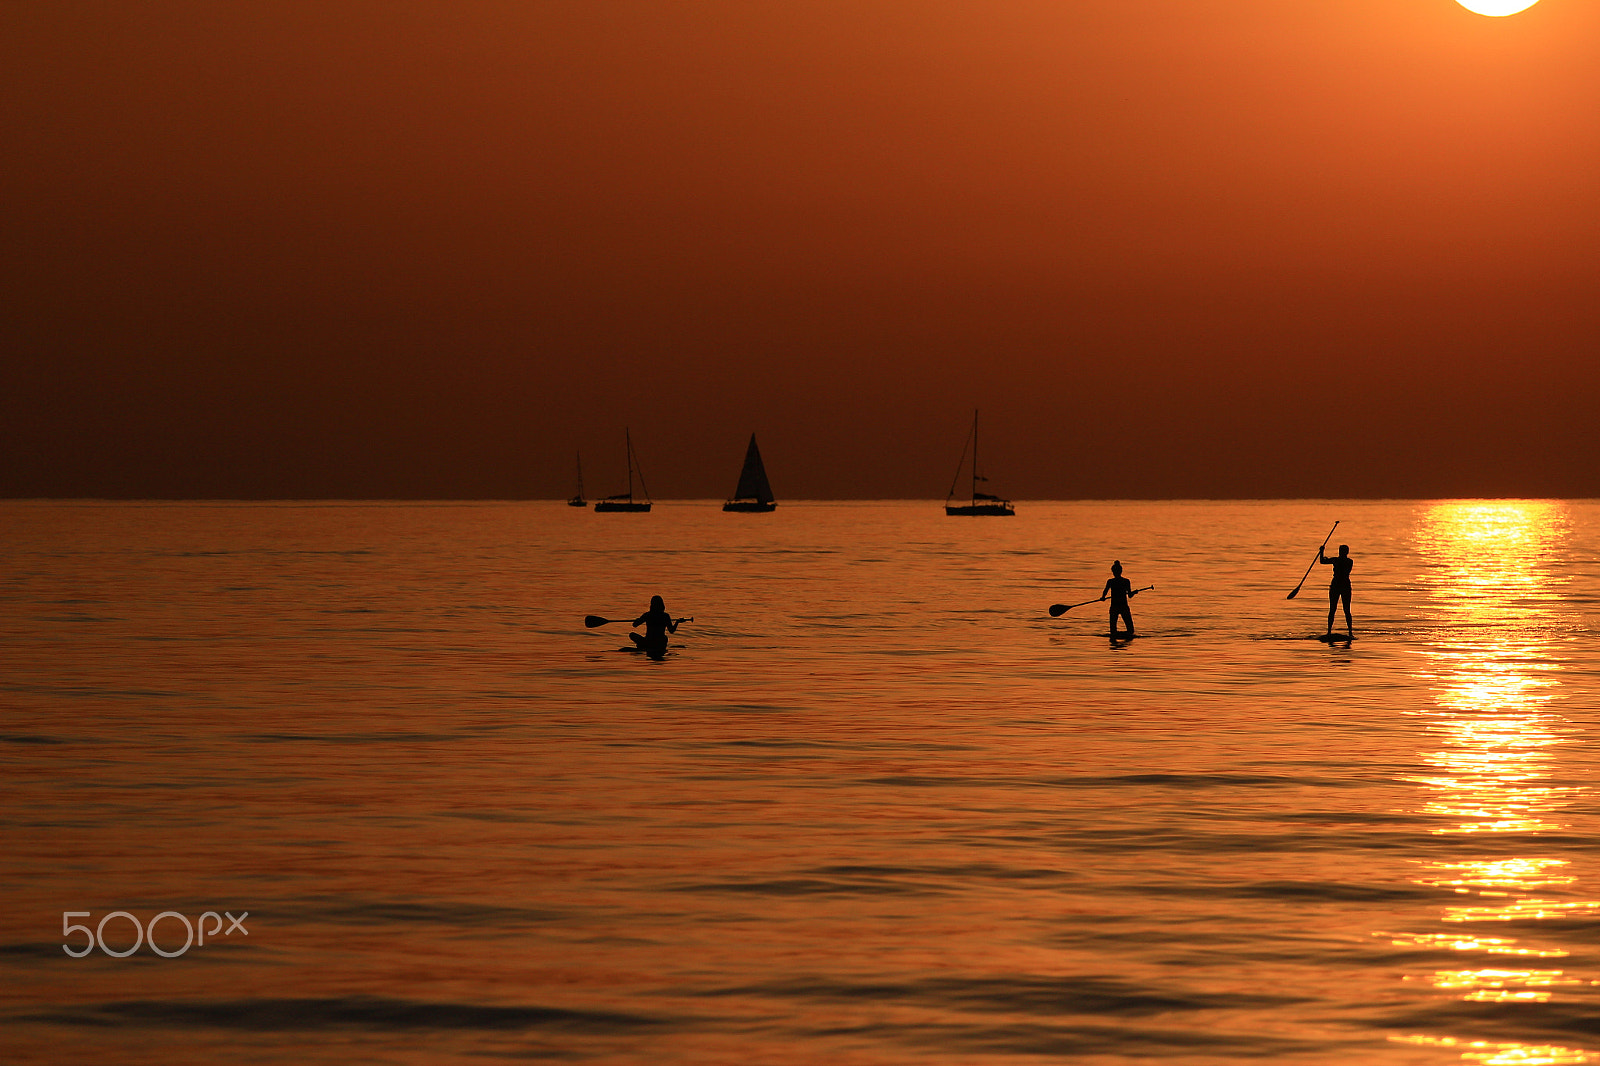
(578, 500)
(754, 495)
(982, 503)
(626, 502)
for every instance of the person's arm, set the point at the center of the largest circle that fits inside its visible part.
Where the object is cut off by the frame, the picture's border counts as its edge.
(672, 624)
(1322, 558)
(641, 618)
(1107, 589)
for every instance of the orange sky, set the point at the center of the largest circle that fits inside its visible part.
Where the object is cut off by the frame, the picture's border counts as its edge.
(1171, 247)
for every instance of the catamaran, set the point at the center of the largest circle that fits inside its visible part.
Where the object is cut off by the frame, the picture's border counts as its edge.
(982, 503)
(754, 495)
(625, 501)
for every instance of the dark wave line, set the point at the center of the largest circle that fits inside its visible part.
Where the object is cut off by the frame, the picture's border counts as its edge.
(1418, 843)
(1292, 890)
(1558, 1019)
(1027, 995)
(972, 869)
(377, 912)
(1096, 781)
(1075, 1041)
(808, 886)
(345, 1012)
(355, 738)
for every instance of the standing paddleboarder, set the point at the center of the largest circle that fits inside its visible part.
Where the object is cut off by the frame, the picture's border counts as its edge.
(657, 624)
(1339, 587)
(1120, 588)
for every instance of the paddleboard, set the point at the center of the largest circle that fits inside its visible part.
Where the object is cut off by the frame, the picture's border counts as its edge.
(1120, 636)
(1333, 638)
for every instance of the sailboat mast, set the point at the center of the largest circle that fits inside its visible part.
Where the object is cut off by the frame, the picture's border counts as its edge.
(974, 455)
(627, 436)
(580, 475)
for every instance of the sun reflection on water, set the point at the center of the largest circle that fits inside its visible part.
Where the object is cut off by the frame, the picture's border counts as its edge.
(1491, 985)
(1498, 735)
(1491, 1053)
(1459, 942)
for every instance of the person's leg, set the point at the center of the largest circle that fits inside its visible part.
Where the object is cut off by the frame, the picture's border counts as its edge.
(637, 639)
(1333, 605)
(1127, 617)
(1348, 625)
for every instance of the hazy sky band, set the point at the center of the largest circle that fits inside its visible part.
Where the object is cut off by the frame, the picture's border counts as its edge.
(1171, 249)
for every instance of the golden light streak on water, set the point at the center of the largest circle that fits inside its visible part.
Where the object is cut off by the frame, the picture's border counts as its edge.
(1497, 1054)
(1491, 874)
(1525, 910)
(1495, 986)
(1453, 942)
(1497, 681)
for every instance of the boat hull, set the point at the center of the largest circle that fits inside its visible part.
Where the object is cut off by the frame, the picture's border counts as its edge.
(750, 506)
(997, 510)
(577, 501)
(621, 505)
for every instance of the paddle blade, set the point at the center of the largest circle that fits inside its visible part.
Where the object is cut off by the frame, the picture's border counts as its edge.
(1293, 594)
(590, 621)
(1057, 610)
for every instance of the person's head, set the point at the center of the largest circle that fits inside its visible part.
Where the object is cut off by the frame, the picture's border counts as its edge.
(657, 603)
(1344, 549)
(1116, 567)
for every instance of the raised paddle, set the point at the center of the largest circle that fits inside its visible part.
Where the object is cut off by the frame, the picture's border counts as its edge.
(592, 620)
(1059, 609)
(1314, 562)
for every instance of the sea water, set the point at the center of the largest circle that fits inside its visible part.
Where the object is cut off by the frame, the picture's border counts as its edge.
(875, 805)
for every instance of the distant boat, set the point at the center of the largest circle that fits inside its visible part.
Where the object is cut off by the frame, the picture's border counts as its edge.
(626, 502)
(578, 500)
(753, 495)
(982, 503)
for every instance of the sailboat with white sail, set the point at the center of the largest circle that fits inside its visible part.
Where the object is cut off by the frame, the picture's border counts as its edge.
(625, 501)
(982, 503)
(754, 494)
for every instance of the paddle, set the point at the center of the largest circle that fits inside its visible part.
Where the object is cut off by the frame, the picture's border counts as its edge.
(1314, 562)
(1059, 609)
(592, 620)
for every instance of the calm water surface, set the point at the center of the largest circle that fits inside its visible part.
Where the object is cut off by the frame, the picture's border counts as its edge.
(876, 806)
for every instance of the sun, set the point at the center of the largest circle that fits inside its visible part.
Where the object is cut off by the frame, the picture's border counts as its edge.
(1497, 7)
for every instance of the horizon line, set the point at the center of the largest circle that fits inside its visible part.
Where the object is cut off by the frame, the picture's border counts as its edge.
(717, 500)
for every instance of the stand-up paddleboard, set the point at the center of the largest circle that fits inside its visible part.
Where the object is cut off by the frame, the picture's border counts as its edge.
(1122, 636)
(1322, 638)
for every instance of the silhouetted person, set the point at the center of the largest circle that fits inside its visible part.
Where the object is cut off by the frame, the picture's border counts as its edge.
(657, 624)
(1339, 587)
(1119, 588)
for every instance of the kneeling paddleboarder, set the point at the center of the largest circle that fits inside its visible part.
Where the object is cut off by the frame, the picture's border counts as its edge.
(657, 624)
